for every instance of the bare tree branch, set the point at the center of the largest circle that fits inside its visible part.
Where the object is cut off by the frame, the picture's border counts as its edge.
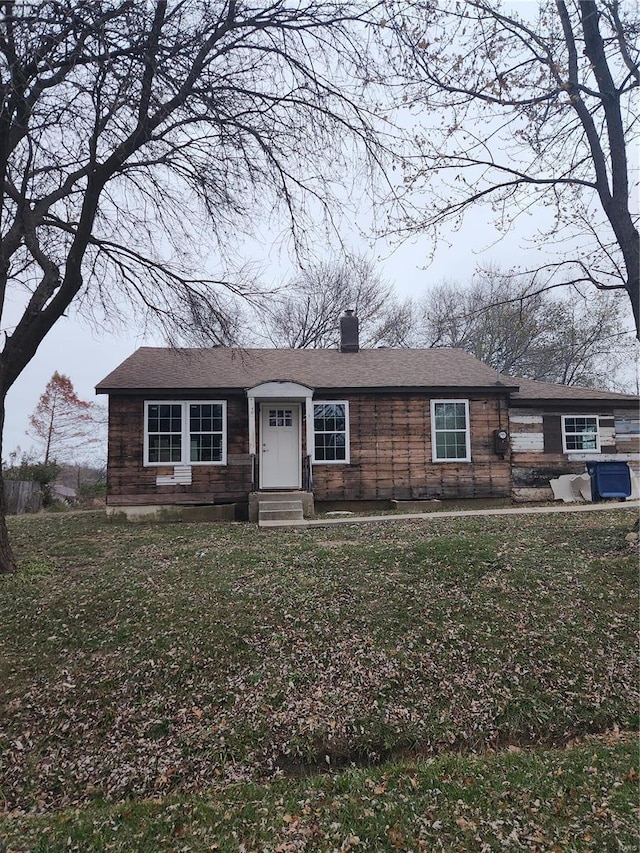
(305, 314)
(520, 329)
(533, 112)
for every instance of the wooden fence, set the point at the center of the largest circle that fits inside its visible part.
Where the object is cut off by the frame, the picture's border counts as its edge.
(22, 496)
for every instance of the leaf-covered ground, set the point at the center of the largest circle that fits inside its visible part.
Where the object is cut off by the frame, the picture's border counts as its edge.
(575, 800)
(140, 662)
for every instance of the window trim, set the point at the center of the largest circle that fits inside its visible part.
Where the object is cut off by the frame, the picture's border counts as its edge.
(434, 431)
(347, 433)
(185, 433)
(572, 450)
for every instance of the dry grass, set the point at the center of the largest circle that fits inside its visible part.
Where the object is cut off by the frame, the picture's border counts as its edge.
(144, 662)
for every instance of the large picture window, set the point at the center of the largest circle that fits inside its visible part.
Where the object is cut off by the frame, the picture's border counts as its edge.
(580, 433)
(450, 431)
(185, 433)
(331, 432)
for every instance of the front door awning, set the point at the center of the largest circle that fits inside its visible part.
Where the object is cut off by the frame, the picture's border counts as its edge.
(281, 390)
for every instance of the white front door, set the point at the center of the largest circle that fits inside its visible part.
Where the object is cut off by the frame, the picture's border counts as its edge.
(280, 454)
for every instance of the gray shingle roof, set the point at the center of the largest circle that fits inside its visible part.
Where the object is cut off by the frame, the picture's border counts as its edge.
(178, 369)
(531, 389)
(175, 370)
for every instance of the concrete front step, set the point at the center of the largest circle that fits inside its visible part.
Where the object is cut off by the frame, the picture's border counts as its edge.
(273, 505)
(288, 506)
(280, 515)
(284, 510)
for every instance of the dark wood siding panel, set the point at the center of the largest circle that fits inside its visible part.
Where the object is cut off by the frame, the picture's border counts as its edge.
(533, 470)
(391, 454)
(627, 428)
(129, 481)
(552, 431)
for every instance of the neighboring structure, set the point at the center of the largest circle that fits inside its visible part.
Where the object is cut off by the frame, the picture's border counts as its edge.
(211, 427)
(556, 429)
(64, 494)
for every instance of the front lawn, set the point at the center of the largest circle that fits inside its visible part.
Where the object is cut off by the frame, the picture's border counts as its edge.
(154, 666)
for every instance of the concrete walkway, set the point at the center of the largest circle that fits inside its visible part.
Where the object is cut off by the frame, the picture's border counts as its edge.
(434, 515)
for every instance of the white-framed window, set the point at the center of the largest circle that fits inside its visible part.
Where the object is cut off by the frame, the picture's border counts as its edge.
(580, 433)
(188, 432)
(450, 435)
(331, 432)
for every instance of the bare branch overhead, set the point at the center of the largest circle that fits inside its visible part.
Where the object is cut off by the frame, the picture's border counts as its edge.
(524, 108)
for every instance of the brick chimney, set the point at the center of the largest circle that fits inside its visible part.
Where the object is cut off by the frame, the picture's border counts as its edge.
(349, 341)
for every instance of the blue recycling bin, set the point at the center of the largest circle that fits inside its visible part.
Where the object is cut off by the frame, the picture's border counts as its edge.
(609, 480)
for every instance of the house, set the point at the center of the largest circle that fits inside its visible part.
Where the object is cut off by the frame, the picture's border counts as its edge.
(218, 428)
(556, 429)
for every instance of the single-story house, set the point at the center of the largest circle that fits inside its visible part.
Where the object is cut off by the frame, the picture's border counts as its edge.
(220, 427)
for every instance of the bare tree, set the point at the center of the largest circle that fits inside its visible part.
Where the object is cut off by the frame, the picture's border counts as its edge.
(573, 342)
(137, 138)
(62, 423)
(305, 314)
(523, 111)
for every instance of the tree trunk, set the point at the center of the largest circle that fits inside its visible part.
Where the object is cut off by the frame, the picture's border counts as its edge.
(633, 290)
(7, 560)
(47, 449)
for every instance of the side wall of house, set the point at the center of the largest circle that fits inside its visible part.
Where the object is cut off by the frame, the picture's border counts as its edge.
(537, 450)
(391, 454)
(130, 483)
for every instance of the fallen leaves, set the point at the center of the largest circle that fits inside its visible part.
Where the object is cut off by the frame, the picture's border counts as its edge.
(212, 659)
(500, 802)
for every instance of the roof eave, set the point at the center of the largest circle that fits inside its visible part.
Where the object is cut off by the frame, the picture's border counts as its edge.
(576, 402)
(359, 389)
(419, 389)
